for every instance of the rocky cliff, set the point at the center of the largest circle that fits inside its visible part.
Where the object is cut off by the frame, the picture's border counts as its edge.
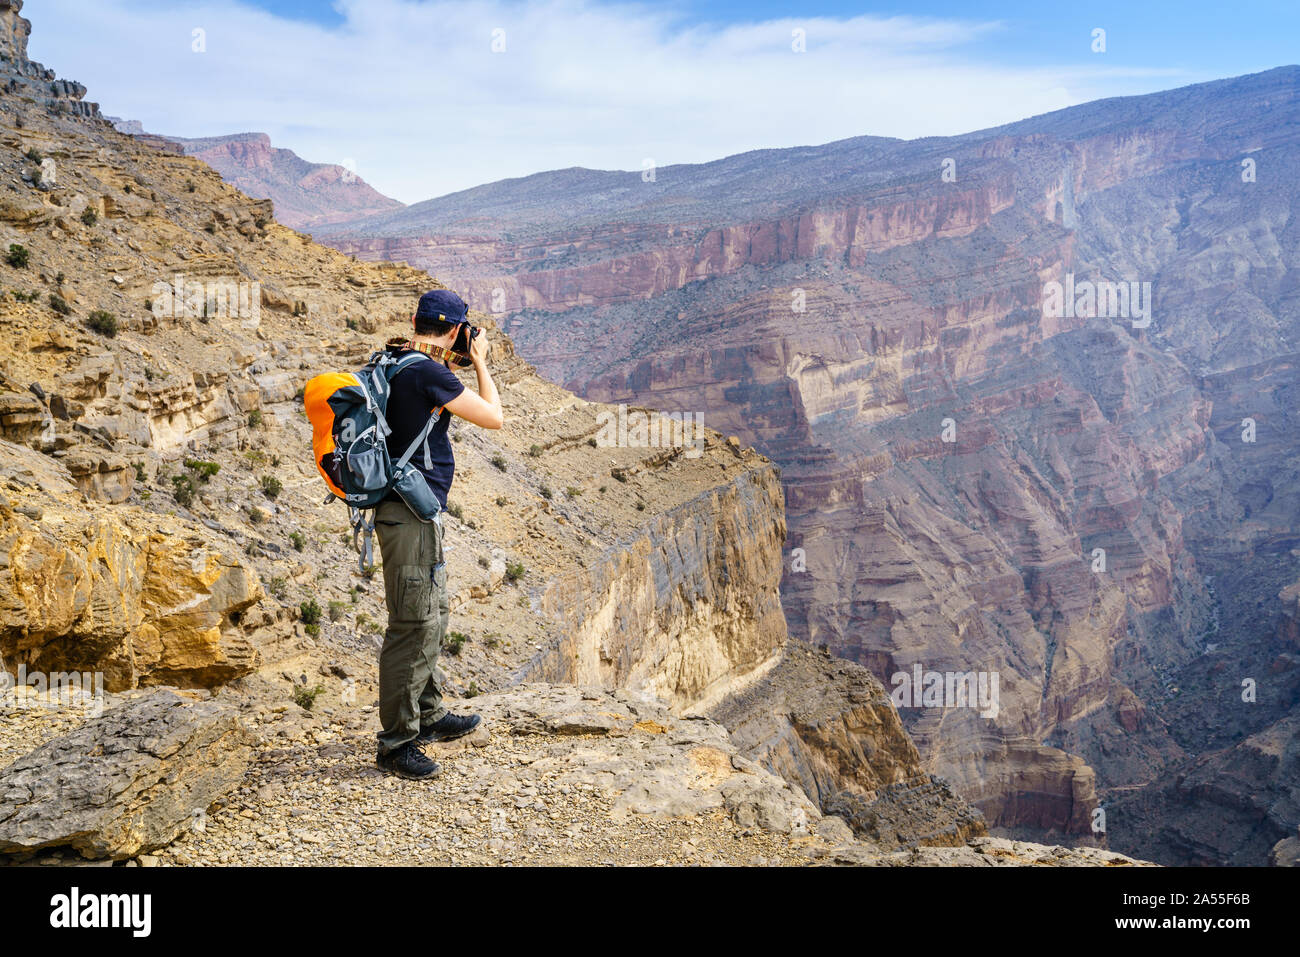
(1095, 504)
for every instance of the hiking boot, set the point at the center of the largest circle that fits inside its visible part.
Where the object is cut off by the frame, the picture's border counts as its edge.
(408, 761)
(448, 728)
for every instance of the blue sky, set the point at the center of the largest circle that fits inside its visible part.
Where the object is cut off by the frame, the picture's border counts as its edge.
(414, 96)
(1244, 38)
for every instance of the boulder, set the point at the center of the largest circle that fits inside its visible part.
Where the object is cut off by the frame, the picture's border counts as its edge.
(126, 782)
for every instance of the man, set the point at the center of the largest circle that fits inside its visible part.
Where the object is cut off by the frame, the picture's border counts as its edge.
(415, 576)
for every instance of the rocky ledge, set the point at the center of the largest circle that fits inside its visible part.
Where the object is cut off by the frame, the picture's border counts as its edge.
(557, 774)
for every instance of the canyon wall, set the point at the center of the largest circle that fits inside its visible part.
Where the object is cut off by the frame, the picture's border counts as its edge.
(684, 611)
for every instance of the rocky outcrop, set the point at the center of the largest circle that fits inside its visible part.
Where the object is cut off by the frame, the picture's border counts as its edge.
(114, 590)
(126, 782)
(658, 764)
(828, 726)
(21, 78)
(991, 852)
(688, 611)
(684, 611)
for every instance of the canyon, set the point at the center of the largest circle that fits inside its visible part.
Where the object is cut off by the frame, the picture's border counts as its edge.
(616, 612)
(1097, 507)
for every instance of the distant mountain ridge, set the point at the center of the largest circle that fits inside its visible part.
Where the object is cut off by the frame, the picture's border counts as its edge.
(306, 194)
(750, 183)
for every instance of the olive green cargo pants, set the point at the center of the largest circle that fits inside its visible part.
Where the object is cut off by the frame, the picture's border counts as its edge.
(415, 585)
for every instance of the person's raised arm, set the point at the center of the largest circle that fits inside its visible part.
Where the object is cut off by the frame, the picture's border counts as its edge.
(484, 407)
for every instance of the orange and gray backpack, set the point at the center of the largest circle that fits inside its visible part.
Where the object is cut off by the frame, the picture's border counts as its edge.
(350, 445)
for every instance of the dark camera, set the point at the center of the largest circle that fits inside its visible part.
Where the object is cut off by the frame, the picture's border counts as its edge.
(464, 336)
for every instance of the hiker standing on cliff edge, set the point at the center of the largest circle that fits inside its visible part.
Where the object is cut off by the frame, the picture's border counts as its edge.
(411, 709)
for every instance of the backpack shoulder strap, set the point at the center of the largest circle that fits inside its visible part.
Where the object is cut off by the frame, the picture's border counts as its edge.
(415, 444)
(406, 360)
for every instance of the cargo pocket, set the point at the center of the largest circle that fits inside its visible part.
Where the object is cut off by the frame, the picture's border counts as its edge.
(415, 594)
(440, 599)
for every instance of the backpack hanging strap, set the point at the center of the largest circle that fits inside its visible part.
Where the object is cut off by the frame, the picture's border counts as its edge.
(363, 538)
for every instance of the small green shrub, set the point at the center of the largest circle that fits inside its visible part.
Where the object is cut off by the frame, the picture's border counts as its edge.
(573, 491)
(454, 642)
(514, 571)
(105, 323)
(534, 450)
(296, 539)
(89, 216)
(499, 463)
(255, 419)
(202, 470)
(278, 587)
(18, 256)
(183, 490)
(456, 511)
(545, 491)
(305, 697)
(337, 610)
(309, 612)
(59, 304)
(271, 487)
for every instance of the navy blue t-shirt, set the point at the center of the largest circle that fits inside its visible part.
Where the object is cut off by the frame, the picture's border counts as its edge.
(417, 391)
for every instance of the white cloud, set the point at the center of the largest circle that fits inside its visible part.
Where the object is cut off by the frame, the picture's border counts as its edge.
(412, 92)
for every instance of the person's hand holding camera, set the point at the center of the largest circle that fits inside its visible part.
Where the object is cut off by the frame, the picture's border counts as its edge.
(479, 348)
